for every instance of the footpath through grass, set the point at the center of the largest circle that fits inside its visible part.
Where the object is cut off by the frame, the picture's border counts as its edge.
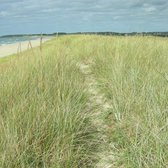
(46, 113)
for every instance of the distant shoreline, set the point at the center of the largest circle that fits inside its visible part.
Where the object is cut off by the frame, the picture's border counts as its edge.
(11, 39)
(9, 49)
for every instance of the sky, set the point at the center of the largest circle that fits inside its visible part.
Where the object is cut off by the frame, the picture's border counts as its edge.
(48, 16)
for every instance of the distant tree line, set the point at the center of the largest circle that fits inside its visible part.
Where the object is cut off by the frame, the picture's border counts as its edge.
(161, 34)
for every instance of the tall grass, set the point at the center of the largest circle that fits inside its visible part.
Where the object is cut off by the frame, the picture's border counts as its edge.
(44, 118)
(132, 72)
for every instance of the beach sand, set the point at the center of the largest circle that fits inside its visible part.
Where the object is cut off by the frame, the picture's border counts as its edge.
(9, 49)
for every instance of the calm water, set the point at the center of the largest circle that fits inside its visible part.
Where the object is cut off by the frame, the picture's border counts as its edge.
(10, 40)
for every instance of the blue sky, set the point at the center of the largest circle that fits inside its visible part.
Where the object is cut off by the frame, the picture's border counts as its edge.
(47, 16)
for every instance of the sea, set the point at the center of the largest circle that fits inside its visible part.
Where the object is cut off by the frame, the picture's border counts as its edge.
(14, 39)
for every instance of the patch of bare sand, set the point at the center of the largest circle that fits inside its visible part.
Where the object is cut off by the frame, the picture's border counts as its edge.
(105, 155)
(9, 49)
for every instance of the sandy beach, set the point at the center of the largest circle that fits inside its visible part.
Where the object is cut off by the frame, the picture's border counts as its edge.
(9, 49)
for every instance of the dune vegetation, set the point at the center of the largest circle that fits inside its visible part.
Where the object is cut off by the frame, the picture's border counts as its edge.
(86, 101)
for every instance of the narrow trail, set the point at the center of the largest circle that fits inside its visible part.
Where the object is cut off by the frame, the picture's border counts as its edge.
(105, 153)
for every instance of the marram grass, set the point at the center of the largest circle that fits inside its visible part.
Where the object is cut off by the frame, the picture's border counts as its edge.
(132, 72)
(44, 118)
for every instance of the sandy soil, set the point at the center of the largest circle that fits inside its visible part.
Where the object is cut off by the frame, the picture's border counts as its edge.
(9, 49)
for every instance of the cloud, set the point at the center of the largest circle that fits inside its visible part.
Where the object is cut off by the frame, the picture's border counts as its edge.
(116, 17)
(4, 13)
(39, 7)
(83, 14)
(150, 9)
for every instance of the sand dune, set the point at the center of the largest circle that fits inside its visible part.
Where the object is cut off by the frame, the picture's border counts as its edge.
(9, 49)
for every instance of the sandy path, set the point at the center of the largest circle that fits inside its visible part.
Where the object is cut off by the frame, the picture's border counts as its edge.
(9, 49)
(105, 155)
